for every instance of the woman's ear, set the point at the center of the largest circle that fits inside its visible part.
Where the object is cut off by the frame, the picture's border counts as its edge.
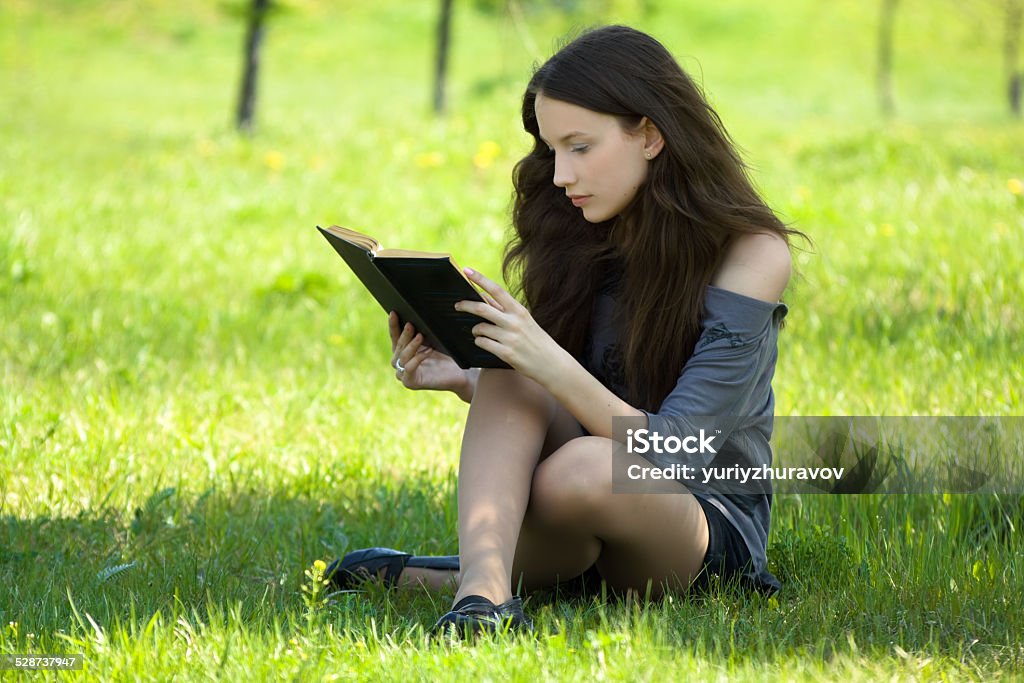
(653, 141)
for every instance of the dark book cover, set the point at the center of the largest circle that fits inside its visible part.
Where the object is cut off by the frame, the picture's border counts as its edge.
(423, 291)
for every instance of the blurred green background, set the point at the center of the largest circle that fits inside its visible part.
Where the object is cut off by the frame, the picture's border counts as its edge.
(138, 219)
(191, 378)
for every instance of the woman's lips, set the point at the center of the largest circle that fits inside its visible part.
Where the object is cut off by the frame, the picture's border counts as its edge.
(579, 199)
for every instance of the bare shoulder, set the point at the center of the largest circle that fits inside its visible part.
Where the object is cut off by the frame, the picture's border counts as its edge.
(757, 265)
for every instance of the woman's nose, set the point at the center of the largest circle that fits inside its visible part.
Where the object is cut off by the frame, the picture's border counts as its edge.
(564, 177)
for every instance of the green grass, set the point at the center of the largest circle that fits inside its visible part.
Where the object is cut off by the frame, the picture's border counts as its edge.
(196, 401)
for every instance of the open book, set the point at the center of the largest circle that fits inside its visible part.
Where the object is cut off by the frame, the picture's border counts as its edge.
(422, 288)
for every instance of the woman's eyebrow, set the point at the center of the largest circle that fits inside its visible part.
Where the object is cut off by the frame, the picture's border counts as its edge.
(564, 137)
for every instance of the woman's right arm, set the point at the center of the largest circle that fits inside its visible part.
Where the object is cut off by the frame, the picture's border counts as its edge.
(466, 393)
(426, 368)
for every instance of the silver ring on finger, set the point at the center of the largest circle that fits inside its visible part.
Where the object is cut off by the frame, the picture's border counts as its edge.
(399, 367)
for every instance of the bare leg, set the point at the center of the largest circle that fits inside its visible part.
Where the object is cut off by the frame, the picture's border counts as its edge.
(432, 579)
(506, 434)
(562, 428)
(574, 520)
(542, 518)
(536, 505)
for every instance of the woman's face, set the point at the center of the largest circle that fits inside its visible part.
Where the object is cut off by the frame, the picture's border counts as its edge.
(598, 163)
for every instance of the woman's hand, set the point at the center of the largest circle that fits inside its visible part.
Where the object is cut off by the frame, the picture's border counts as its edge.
(421, 367)
(512, 334)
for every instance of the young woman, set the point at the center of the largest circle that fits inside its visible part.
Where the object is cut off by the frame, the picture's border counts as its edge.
(651, 272)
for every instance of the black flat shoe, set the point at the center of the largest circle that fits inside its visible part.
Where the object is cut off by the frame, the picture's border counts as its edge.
(475, 614)
(363, 565)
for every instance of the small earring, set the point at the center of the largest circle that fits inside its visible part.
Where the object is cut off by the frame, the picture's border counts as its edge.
(647, 155)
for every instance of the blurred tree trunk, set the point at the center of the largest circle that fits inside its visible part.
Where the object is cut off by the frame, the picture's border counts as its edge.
(1011, 53)
(253, 43)
(444, 24)
(885, 38)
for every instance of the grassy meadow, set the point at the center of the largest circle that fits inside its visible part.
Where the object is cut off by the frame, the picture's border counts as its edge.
(195, 396)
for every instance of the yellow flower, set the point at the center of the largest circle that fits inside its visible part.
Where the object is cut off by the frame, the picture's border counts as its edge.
(486, 153)
(320, 566)
(274, 160)
(429, 159)
(1015, 186)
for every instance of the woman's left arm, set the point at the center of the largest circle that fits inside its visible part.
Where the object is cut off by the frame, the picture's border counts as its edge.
(757, 266)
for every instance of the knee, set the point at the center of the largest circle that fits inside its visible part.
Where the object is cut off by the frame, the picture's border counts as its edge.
(571, 486)
(509, 385)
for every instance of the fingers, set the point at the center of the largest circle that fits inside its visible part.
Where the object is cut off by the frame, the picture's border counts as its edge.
(491, 331)
(393, 330)
(407, 350)
(480, 309)
(413, 363)
(399, 341)
(490, 300)
(494, 293)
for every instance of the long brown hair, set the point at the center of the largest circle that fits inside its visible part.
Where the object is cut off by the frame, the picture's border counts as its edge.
(672, 237)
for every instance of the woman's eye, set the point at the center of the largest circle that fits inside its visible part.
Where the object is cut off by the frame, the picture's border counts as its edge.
(579, 148)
